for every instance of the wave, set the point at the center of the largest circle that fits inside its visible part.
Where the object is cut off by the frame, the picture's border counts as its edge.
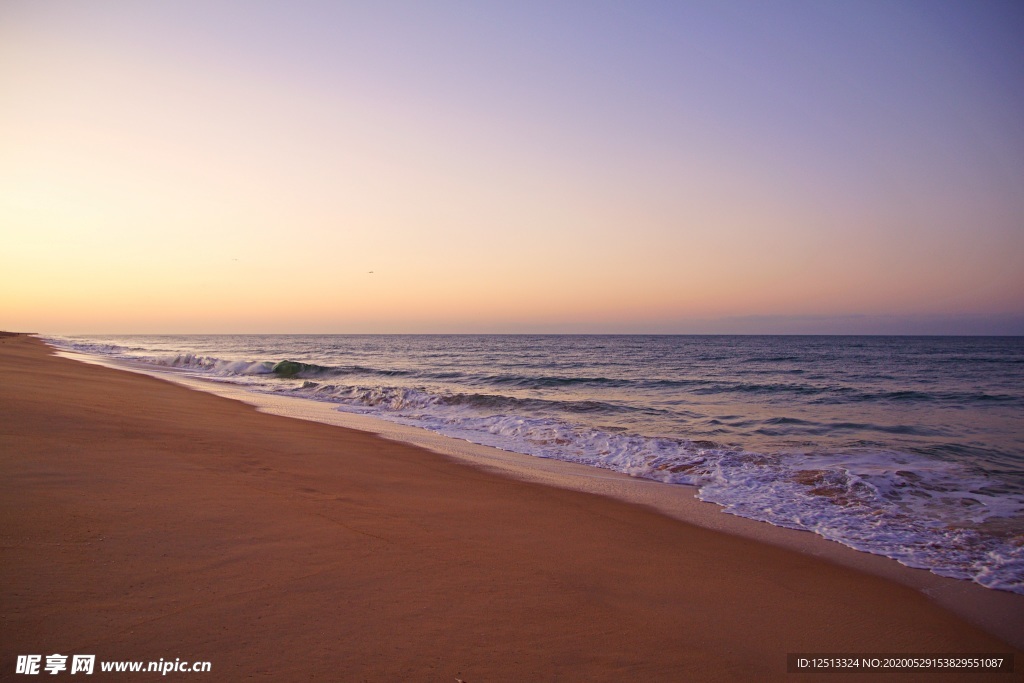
(283, 369)
(290, 368)
(546, 381)
(773, 359)
(86, 347)
(402, 398)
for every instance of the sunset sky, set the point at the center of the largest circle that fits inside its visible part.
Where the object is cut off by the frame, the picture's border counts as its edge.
(690, 167)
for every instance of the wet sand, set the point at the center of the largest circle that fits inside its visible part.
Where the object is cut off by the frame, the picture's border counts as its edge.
(142, 520)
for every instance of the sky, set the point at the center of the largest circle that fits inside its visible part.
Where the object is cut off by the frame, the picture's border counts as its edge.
(223, 166)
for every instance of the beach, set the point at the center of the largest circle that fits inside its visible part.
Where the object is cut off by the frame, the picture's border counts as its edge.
(144, 521)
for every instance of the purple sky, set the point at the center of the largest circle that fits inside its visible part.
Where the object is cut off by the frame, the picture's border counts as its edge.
(505, 167)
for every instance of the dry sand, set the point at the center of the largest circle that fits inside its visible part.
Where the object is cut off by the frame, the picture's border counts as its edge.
(142, 520)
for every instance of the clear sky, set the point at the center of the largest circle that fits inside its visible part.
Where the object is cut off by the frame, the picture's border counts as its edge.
(550, 166)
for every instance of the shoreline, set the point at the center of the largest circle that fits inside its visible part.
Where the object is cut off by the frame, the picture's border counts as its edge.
(135, 509)
(998, 612)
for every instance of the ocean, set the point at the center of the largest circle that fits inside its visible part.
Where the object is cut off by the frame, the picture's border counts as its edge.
(908, 447)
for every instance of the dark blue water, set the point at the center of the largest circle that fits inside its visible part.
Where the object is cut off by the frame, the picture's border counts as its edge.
(911, 447)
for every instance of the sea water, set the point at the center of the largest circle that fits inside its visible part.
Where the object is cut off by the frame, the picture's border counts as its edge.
(908, 447)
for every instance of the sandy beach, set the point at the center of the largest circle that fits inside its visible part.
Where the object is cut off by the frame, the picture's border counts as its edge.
(143, 520)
